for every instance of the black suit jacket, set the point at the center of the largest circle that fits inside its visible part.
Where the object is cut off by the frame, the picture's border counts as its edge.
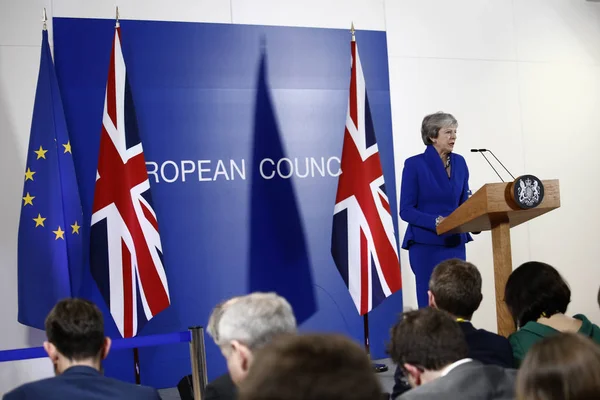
(488, 347)
(82, 383)
(221, 388)
(484, 346)
(472, 380)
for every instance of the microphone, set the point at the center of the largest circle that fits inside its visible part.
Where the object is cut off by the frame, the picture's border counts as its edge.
(481, 151)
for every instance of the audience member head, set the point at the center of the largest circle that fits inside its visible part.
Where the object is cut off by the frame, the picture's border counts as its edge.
(424, 342)
(215, 316)
(244, 324)
(455, 287)
(535, 290)
(565, 366)
(311, 367)
(75, 331)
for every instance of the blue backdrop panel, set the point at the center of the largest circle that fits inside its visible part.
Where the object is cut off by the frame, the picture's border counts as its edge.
(195, 89)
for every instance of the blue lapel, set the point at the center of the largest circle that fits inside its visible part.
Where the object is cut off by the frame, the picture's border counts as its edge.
(437, 167)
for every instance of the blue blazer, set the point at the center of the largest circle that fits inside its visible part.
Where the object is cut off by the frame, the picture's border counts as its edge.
(427, 193)
(81, 383)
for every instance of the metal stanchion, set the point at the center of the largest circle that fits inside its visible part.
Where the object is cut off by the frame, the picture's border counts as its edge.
(198, 360)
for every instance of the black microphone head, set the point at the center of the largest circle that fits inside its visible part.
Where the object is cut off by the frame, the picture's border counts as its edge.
(475, 150)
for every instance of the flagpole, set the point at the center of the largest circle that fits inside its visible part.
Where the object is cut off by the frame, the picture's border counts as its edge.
(136, 366)
(377, 367)
(136, 352)
(44, 20)
(366, 327)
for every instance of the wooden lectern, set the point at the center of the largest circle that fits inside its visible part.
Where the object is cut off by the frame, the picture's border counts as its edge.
(493, 208)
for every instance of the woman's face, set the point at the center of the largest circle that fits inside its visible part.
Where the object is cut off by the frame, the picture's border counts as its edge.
(444, 143)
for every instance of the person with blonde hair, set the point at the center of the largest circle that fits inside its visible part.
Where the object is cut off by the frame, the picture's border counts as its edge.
(565, 366)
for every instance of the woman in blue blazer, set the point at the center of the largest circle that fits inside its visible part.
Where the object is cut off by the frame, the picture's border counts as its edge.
(434, 184)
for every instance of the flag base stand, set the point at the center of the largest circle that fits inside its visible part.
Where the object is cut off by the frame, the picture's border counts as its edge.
(377, 368)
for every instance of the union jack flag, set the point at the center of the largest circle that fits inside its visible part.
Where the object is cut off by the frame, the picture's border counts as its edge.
(363, 244)
(126, 252)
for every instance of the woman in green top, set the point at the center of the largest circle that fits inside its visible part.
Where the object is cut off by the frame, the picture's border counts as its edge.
(537, 297)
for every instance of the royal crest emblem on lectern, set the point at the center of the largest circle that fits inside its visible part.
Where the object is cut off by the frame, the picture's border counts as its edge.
(528, 191)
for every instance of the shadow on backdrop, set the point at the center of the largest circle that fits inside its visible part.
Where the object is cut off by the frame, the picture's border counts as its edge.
(279, 259)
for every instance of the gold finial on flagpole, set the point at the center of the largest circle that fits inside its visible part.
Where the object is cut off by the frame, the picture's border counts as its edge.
(117, 23)
(352, 31)
(44, 19)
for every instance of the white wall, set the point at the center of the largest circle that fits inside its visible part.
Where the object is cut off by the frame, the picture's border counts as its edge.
(522, 77)
(19, 62)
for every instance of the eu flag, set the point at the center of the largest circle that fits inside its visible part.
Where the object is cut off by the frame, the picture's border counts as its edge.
(49, 256)
(279, 259)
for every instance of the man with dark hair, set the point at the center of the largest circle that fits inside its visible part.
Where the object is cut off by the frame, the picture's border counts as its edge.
(430, 347)
(455, 287)
(311, 367)
(76, 346)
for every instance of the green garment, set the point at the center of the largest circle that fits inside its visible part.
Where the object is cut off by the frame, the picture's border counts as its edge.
(522, 340)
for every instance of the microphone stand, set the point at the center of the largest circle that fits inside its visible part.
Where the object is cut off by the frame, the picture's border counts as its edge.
(500, 162)
(480, 151)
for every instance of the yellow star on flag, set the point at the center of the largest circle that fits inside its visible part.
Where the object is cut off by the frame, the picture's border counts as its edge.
(29, 174)
(39, 221)
(41, 153)
(28, 199)
(59, 234)
(75, 227)
(67, 147)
